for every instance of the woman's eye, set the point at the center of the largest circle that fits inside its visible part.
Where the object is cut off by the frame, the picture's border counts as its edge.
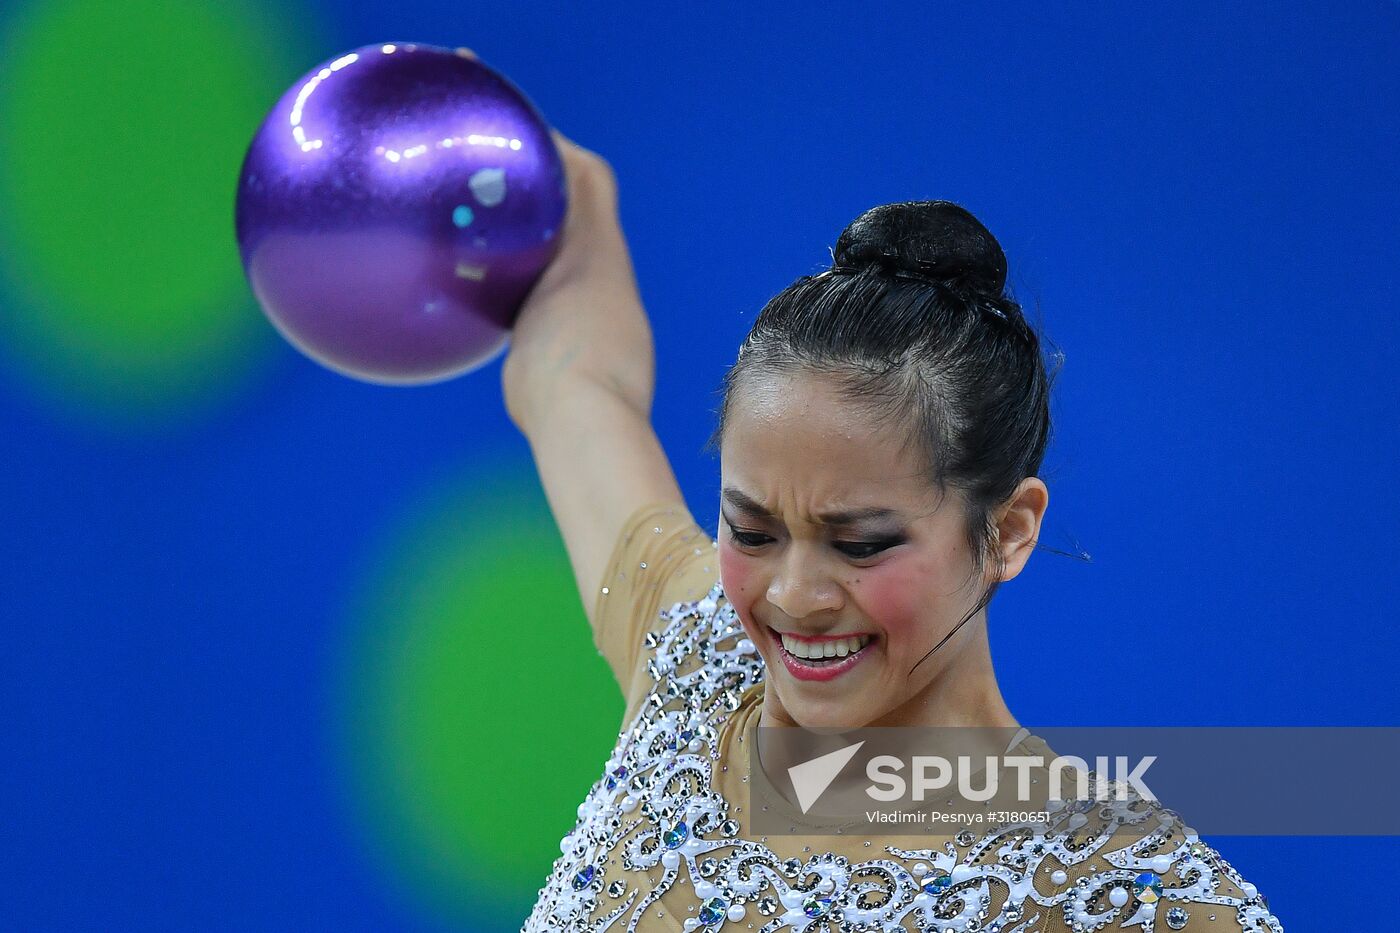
(860, 550)
(746, 539)
(856, 550)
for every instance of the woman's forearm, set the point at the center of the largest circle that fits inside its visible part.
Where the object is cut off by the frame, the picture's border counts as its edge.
(598, 460)
(579, 378)
(608, 346)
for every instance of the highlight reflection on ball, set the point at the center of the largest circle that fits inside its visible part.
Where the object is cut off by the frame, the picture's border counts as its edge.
(395, 208)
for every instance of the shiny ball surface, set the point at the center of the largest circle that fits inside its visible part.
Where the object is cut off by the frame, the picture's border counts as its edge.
(395, 208)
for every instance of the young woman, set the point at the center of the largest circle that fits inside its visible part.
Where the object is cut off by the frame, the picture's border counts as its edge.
(879, 438)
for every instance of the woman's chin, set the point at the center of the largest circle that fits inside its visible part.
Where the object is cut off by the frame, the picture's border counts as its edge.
(824, 719)
(819, 728)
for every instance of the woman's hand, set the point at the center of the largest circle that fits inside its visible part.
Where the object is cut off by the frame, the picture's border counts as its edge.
(584, 316)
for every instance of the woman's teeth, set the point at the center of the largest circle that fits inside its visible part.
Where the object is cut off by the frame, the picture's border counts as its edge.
(818, 650)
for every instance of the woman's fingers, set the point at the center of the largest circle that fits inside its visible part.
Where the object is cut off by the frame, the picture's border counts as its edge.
(563, 142)
(592, 185)
(465, 52)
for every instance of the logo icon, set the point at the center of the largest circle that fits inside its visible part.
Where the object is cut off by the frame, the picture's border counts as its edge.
(811, 778)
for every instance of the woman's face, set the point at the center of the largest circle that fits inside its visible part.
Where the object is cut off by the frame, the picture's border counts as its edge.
(894, 571)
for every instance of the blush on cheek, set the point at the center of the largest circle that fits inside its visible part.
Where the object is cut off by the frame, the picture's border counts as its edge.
(896, 597)
(736, 573)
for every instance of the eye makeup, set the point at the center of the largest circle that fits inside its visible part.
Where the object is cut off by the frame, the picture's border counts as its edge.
(856, 550)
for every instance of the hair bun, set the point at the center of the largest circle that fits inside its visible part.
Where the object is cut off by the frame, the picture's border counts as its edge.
(935, 240)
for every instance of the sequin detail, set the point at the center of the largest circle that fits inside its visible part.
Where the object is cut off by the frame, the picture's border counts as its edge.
(655, 814)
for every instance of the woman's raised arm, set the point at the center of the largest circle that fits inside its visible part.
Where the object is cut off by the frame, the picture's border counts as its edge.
(579, 376)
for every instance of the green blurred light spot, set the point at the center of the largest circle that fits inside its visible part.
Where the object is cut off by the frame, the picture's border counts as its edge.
(122, 130)
(478, 709)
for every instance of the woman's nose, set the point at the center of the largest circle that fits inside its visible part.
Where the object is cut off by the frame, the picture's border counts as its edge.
(800, 589)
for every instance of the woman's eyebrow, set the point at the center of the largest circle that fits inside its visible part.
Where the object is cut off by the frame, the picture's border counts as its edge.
(844, 517)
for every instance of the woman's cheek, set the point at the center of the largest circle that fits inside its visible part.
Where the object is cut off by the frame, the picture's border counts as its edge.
(893, 595)
(736, 574)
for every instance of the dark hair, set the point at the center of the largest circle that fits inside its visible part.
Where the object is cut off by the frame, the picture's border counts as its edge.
(914, 322)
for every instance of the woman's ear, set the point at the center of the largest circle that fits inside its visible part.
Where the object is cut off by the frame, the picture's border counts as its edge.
(1018, 525)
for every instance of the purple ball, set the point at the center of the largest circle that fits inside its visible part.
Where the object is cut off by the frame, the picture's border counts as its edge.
(394, 210)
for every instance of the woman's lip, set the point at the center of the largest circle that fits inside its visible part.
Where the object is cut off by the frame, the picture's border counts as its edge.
(828, 672)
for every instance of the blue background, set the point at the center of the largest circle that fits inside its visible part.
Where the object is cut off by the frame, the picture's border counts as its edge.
(1199, 202)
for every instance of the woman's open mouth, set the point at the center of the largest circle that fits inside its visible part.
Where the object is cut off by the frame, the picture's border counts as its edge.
(821, 659)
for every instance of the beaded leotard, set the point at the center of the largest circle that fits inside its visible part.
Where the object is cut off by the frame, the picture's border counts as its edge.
(658, 846)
